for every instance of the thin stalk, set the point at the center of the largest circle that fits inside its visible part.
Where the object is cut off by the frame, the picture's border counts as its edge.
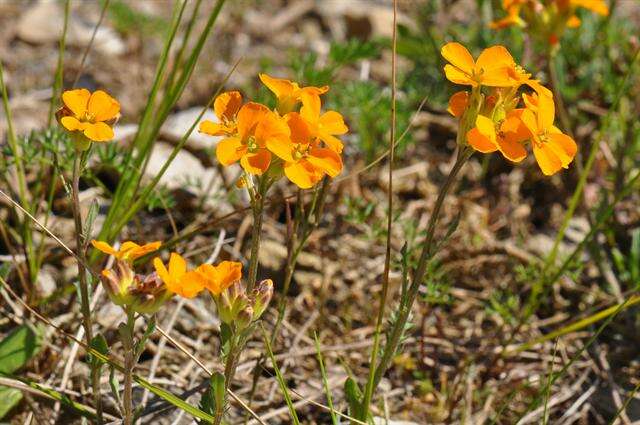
(229, 372)
(85, 306)
(406, 304)
(129, 364)
(368, 393)
(256, 232)
(57, 83)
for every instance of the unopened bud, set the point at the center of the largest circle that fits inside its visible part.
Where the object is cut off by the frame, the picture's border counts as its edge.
(261, 297)
(143, 293)
(230, 302)
(244, 318)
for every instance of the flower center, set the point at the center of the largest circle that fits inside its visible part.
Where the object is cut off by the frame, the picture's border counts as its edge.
(252, 144)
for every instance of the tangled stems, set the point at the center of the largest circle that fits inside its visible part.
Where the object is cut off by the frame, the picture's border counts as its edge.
(82, 277)
(406, 302)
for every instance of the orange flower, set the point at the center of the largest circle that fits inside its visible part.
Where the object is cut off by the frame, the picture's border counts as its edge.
(512, 7)
(289, 93)
(598, 6)
(553, 149)
(178, 280)
(256, 125)
(218, 278)
(226, 107)
(305, 162)
(508, 139)
(323, 126)
(129, 251)
(491, 68)
(89, 113)
(458, 103)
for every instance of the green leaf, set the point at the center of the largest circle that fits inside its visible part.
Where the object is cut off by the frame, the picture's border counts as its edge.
(17, 348)
(9, 398)
(98, 343)
(214, 397)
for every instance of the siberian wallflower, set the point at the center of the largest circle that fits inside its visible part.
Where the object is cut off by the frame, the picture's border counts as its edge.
(553, 149)
(129, 251)
(491, 68)
(226, 107)
(491, 120)
(324, 126)
(305, 162)
(246, 141)
(179, 281)
(89, 114)
(546, 19)
(218, 278)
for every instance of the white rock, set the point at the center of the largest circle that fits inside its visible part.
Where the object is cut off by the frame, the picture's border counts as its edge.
(177, 125)
(43, 22)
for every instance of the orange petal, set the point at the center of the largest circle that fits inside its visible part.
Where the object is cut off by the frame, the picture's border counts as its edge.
(514, 129)
(214, 129)
(483, 136)
(310, 109)
(299, 128)
(546, 112)
(454, 75)
(325, 160)
(177, 265)
(102, 106)
(282, 148)
(573, 22)
(528, 118)
(271, 126)
(564, 147)
(162, 271)
(104, 247)
(98, 132)
(458, 56)
(332, 142)
(230, 150)
(302, 174)
(458, 103)
(597, 6)
(71, 123)
(511, 149)
(547, 159)
(280, 87)
(228, 272)
(76, 101)
(248, 118)
(256, 163)
(190, 285)
(333, 123)
(227, 105)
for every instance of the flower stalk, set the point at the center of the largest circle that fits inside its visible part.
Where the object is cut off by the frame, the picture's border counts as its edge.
(406, 303)
(85, 306)
(126, 335)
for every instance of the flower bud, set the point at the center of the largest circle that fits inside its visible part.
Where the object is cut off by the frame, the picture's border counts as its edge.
(231, 301)
(143, 293)
(244, 317)
(261, 297)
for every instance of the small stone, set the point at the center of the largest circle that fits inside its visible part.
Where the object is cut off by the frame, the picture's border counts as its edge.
(177, 125)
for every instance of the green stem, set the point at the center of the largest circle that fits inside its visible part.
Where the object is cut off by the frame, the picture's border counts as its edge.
(369, 389)
(129, 364)
(85, 306)
(257, 206)
(406, 304)
(230, 365)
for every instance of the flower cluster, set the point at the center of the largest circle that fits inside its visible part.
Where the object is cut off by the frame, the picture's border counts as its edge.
(547, 18)
(147, 293)
(296, 138)
(491, 118)
(88, 116)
